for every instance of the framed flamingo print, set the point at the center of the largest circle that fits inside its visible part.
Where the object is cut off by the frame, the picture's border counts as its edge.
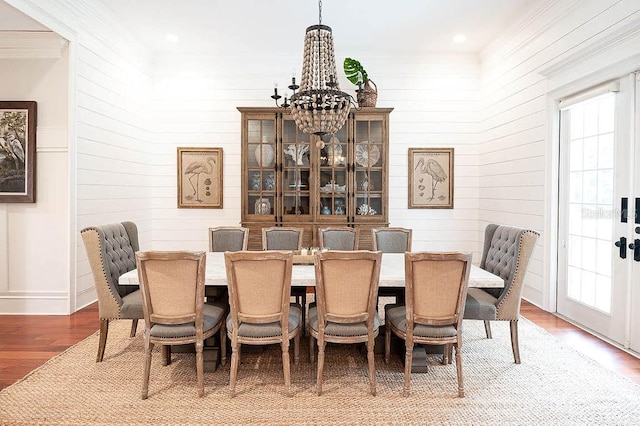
(200, 178)
(430, 178)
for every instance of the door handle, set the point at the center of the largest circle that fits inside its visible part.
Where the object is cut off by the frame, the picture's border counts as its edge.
(635, 246)
(622, 244)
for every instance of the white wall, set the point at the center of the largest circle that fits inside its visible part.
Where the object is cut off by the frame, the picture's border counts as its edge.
(35, 258)
(436, 102)
(128, 118)
(515, 150)
(109, 144)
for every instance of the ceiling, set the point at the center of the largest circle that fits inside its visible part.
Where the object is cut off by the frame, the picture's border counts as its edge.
(216, 25)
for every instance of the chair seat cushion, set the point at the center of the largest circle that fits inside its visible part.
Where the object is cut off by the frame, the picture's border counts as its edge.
(213, 314)
(271, 329)
(342, 330)
(132, 306)
(480, 305)
(397, 316)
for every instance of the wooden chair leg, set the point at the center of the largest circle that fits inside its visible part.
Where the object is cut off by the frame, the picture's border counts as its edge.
(223, 343)
(387, 344)
(296, 348)
(513, 325)
(459, 371)
(134, 328)
(104, 331)
(286, 365)
(321, 348)
(200, 368)
(408, 359)
(148, 349)
(312, 349)
(235, 355)
(371, 362)
(166, 355)
(487, 329)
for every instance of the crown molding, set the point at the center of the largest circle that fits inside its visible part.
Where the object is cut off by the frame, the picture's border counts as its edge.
(31, 45)
(627, 32)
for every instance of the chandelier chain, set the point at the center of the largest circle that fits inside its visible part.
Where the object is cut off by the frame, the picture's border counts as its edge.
(320, 12)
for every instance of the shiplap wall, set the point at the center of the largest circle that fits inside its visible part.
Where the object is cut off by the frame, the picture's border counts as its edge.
(110, 146)
(436, 99)
(34, 251)
(514, 127)
(490, 108)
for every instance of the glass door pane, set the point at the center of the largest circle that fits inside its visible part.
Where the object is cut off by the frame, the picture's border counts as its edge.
(368, 161)
(261, 160)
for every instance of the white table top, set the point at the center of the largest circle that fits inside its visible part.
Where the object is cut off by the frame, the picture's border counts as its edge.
(391, 273)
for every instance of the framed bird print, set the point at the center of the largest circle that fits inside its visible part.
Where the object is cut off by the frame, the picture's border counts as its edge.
(430, 178)
(17, 152)
(200, 178)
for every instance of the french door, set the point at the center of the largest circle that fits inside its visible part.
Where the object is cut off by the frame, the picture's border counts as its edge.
(598, 278)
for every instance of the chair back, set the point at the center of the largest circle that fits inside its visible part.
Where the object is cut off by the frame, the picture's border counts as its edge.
(111, 252)
(340, 238)
(228, 238)
(391, 240)
(506, 253)
(436, 287)
(172, 286)
(259, 287)
(347, 285)
(282, 238)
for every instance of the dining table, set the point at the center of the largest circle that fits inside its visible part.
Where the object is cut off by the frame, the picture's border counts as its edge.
(303, 275)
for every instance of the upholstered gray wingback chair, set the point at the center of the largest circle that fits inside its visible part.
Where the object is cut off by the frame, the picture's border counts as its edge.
(111, 252)
(506, 253)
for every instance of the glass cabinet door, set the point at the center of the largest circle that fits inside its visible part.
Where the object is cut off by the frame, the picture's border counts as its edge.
(296, 157)
(261, 167)
(369, 159)
(333, 182)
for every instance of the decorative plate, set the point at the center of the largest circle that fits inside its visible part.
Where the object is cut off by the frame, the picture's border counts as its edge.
(367, 155)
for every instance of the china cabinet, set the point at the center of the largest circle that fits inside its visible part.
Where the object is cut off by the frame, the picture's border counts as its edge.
(293, 179)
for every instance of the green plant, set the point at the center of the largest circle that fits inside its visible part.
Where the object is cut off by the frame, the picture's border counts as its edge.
(353, 69)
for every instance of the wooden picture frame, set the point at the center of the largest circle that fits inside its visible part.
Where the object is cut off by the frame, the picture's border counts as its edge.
(431, 178)
(200, 178)
(18, 151)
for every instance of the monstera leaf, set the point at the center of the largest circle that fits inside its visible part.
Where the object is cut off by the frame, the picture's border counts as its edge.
(352, 68)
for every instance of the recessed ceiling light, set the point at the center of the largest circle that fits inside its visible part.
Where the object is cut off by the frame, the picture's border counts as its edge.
(171, 38)
(459, 38)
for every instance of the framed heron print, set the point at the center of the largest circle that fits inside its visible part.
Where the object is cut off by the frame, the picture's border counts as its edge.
(17, 152)
(200, 178)
(430, 178)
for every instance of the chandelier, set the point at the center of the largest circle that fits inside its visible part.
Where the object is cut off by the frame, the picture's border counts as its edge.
(320, 107)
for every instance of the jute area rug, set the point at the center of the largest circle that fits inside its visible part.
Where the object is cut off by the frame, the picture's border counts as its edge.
(553, 385)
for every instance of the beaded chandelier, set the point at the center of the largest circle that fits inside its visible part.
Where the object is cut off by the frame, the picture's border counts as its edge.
(320, 107)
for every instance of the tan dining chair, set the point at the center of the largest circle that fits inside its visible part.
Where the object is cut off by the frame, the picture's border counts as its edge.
(111, 252)
(259, 288)
(347, 290)
(339, 238)
(172, 285)
(228, 238)
(392, 240)
(506, 253)
(436, 288)
(287, 238)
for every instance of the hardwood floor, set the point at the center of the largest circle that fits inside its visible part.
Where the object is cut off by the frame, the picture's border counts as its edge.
(27, 342)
